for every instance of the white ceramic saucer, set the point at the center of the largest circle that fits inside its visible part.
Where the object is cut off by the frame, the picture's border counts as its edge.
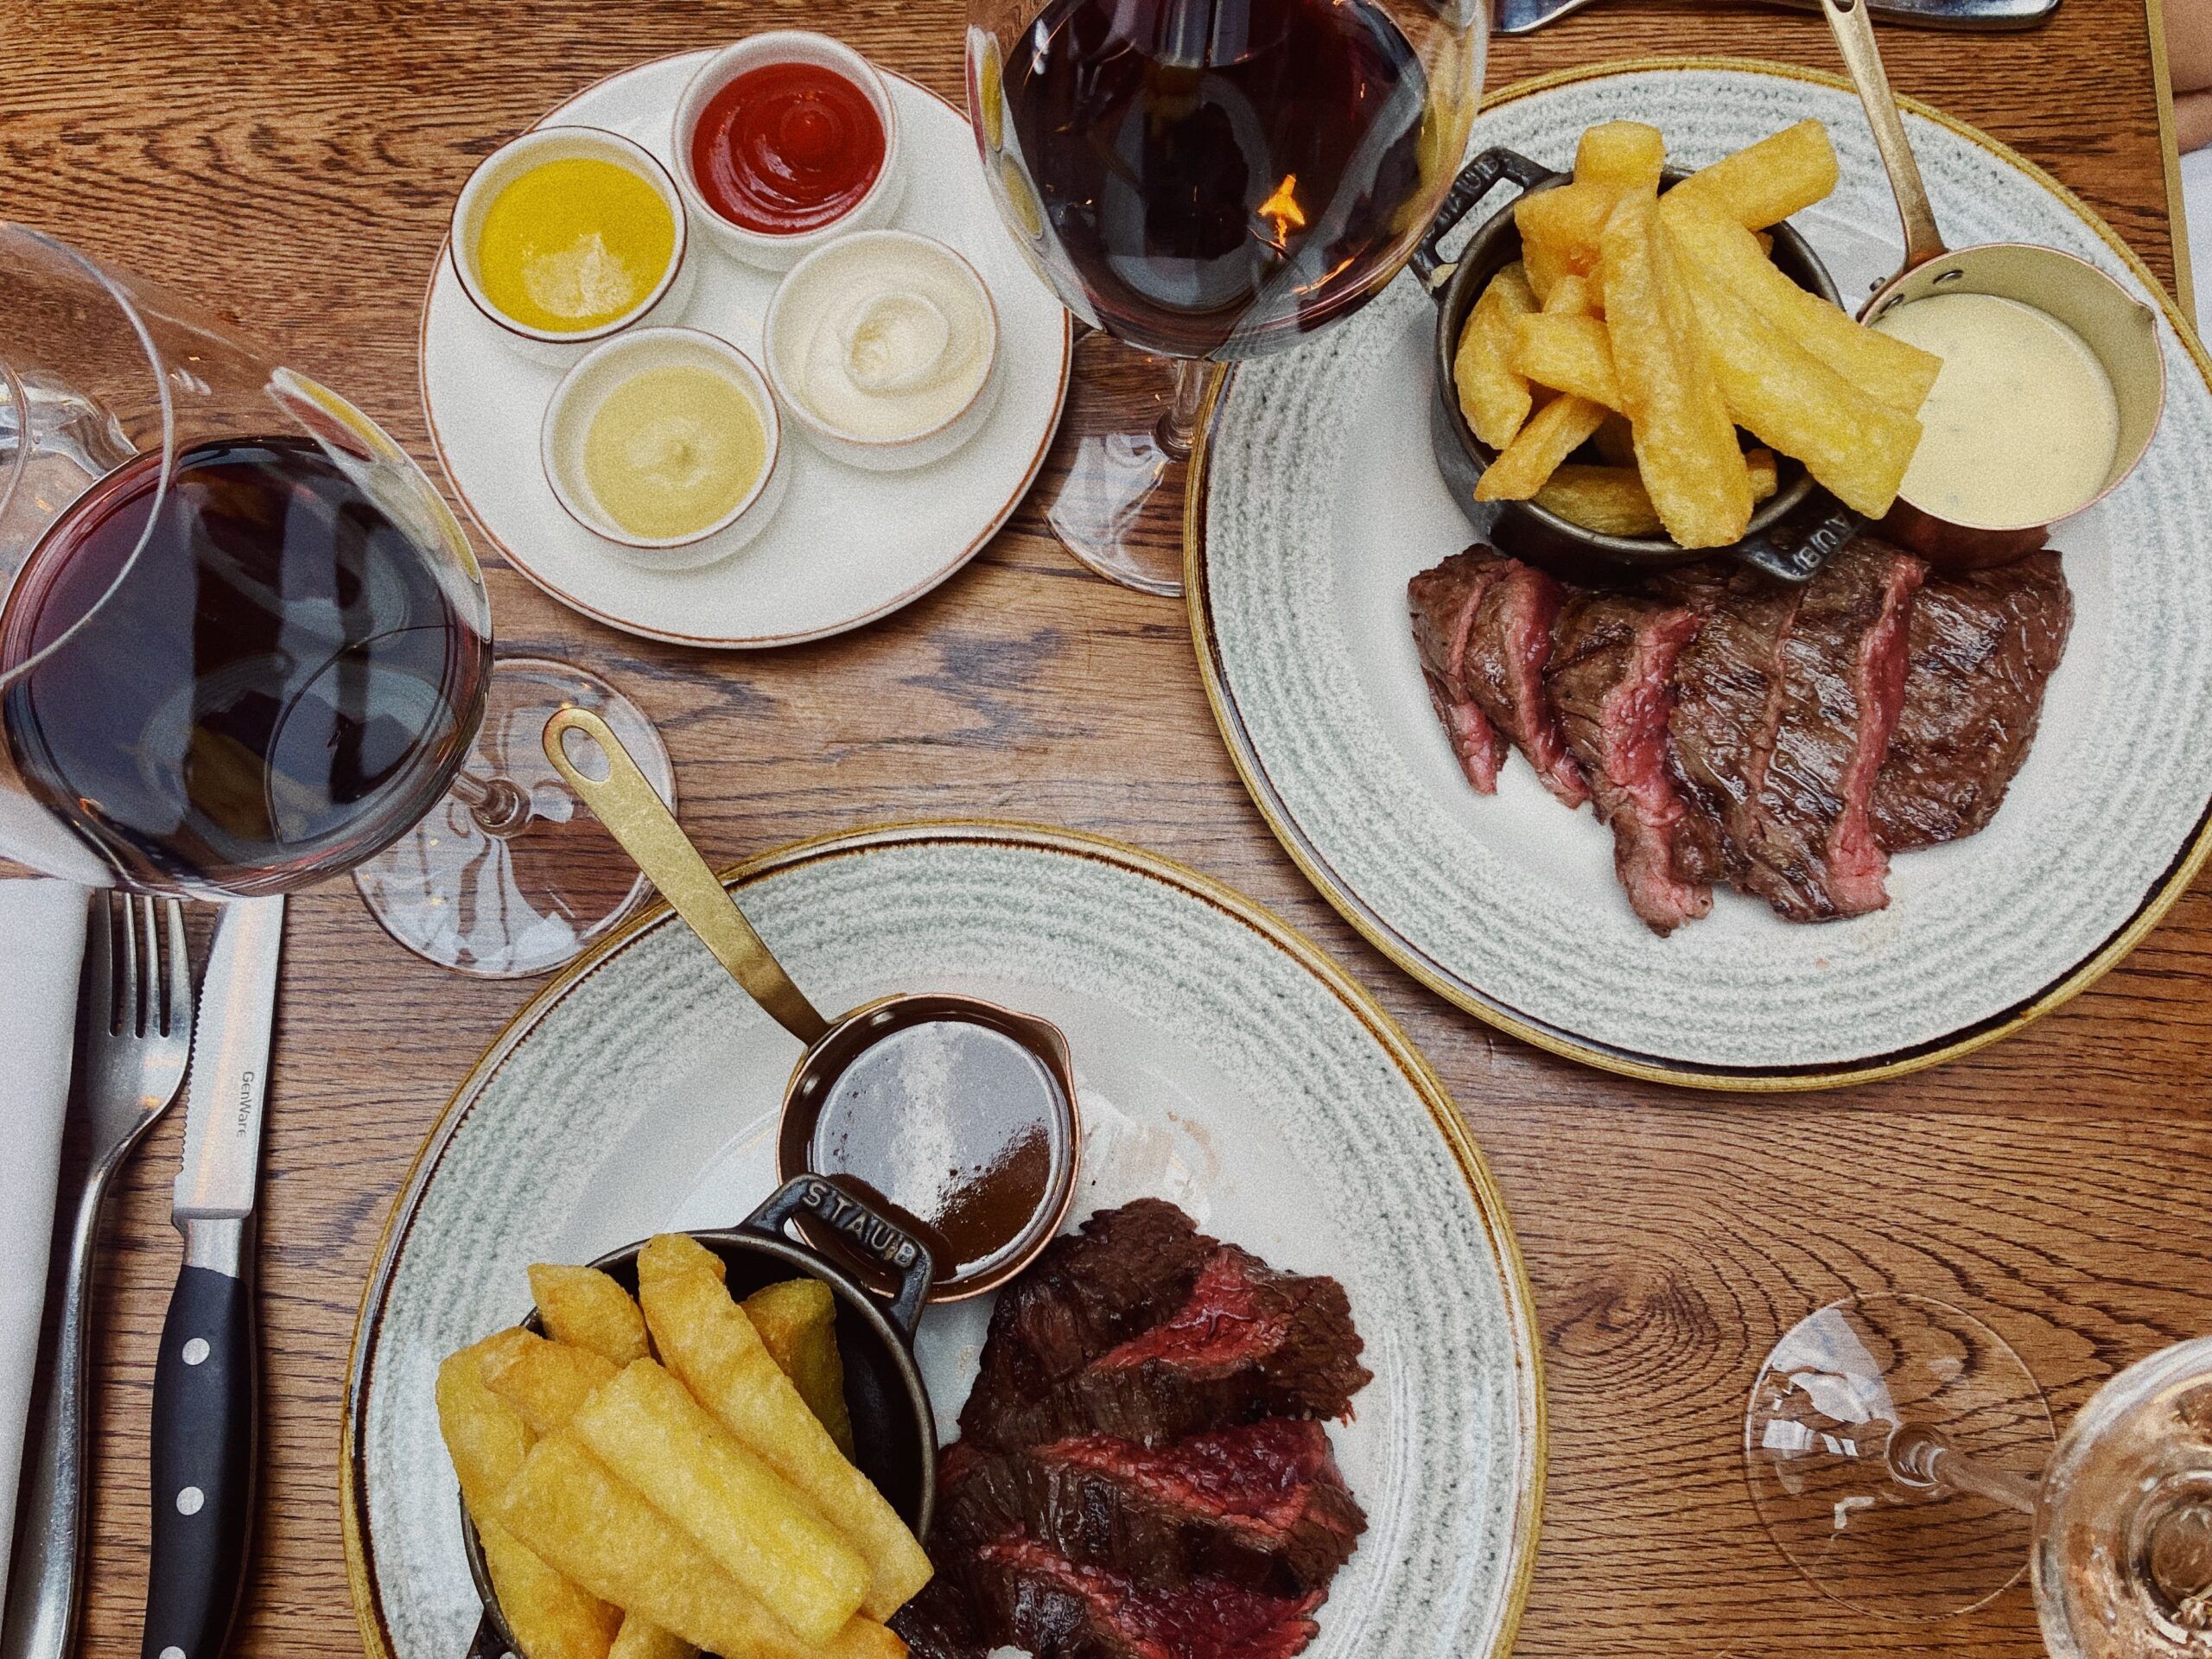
(846, 546)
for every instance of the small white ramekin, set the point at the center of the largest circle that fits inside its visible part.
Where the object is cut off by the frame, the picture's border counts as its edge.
(756, 248)
(877, 455)
(510, 162)
(568, 417)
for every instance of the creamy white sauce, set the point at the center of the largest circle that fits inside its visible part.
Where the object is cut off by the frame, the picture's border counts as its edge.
(888, 341)
(2022, 425)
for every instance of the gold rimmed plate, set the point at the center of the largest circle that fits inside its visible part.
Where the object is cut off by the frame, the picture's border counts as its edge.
(1223, 1062)
(1318, 500)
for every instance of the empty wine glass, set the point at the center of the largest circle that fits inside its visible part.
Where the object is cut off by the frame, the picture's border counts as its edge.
(1900, 1454)
(245, 645)
(1205, 179)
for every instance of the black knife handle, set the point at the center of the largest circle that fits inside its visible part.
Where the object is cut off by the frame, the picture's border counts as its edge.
(203, 1466)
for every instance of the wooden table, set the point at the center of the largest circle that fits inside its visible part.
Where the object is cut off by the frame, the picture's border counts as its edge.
(295, 165)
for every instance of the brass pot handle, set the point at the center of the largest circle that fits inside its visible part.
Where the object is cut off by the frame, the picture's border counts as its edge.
(1854, 28)
(635, 815)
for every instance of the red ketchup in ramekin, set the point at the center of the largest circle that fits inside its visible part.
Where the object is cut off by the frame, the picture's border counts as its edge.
(787, 147)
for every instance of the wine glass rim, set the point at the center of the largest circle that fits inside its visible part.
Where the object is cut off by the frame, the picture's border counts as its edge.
(11, 673)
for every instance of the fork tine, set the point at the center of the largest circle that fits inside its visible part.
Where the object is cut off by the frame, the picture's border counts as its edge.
(126, 983)
(177, 1013)
(98, 980)
(150, 977)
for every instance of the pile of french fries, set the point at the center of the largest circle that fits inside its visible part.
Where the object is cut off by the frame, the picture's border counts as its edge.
(1652, 326)
(647, 1508)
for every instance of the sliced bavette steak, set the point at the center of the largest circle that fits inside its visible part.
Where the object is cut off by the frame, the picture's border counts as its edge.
(1128, 1269)
(1983, 647)
(1611, 663)
(1442, 603)
(1506, 655)
(1058, 1609)
(1727, 702)
(1809, 850)
(941, 1622)
(1247, 1341)
(1259, 1504)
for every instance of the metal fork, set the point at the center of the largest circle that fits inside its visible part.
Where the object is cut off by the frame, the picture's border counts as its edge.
(133, 1024)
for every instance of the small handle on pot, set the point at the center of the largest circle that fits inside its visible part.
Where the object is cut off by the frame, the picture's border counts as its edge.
(1854, 28)
(634, 814)
(1798, 548)
(863, 1229)
(1476, 180)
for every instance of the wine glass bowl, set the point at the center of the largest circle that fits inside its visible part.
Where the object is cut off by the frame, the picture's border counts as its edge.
(1206, 180)
(245, 645)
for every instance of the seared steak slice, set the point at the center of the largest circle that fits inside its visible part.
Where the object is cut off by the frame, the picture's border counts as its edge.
(1611, 663)
(1506, 653)
(1247, 1341)
(1983, 646)
(941, 1622)
(1089, 1291)
(1034, 1599)
(1728, 692)
(1260, 1504)
(1810, 852)
(1442, 601)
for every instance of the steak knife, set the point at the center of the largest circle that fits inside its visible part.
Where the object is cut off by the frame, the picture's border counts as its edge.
(205, 1376)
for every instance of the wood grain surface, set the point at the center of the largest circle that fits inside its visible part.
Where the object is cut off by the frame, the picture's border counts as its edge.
(294, 165)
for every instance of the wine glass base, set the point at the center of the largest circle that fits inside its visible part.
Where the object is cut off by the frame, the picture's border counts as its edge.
(1864, 1379)
(508, 906)
(1118, 504)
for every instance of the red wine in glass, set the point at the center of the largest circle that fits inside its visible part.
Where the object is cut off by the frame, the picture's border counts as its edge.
(282, 685)
(1218, 176)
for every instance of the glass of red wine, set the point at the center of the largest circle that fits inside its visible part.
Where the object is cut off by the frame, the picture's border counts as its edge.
(1205, 180)
(245, 645)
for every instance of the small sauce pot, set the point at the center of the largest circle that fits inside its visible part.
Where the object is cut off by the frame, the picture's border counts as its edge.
(954, 1116)
(894, 1426)
(1534, 534)
(2119, 330)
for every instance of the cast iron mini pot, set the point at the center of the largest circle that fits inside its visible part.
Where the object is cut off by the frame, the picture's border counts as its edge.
(894, 1426)
(1794, 550)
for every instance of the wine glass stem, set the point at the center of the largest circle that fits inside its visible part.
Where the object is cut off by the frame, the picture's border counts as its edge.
(500, 808)
(1921, 1458)
(1179, 427)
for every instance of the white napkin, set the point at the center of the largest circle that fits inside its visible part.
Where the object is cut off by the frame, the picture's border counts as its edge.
(42, 949)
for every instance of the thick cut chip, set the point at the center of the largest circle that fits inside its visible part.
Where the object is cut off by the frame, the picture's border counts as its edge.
(1857, 447)
(1685, 443)
(1624, 153)
(1556, 431)
(1572, 296)
(706, 1340)
(549, 1616)
(577, 1514)
(1493, 397)
(585, 1308)
(641, 1638)
(1887, 370)
(799, 1321)
(547, 1381)
(1612, 500)
(645, 1428)
(1560, 228)
(1568, 353)
(1764, 183)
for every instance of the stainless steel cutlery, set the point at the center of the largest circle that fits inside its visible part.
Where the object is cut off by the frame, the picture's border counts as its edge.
(135, 1035)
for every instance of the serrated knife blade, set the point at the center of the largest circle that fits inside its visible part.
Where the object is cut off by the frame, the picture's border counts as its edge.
(229, 1077)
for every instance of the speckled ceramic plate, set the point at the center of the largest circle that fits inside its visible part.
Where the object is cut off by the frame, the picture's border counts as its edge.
(845, 546)
(1223, 1062)
(1321, 499)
